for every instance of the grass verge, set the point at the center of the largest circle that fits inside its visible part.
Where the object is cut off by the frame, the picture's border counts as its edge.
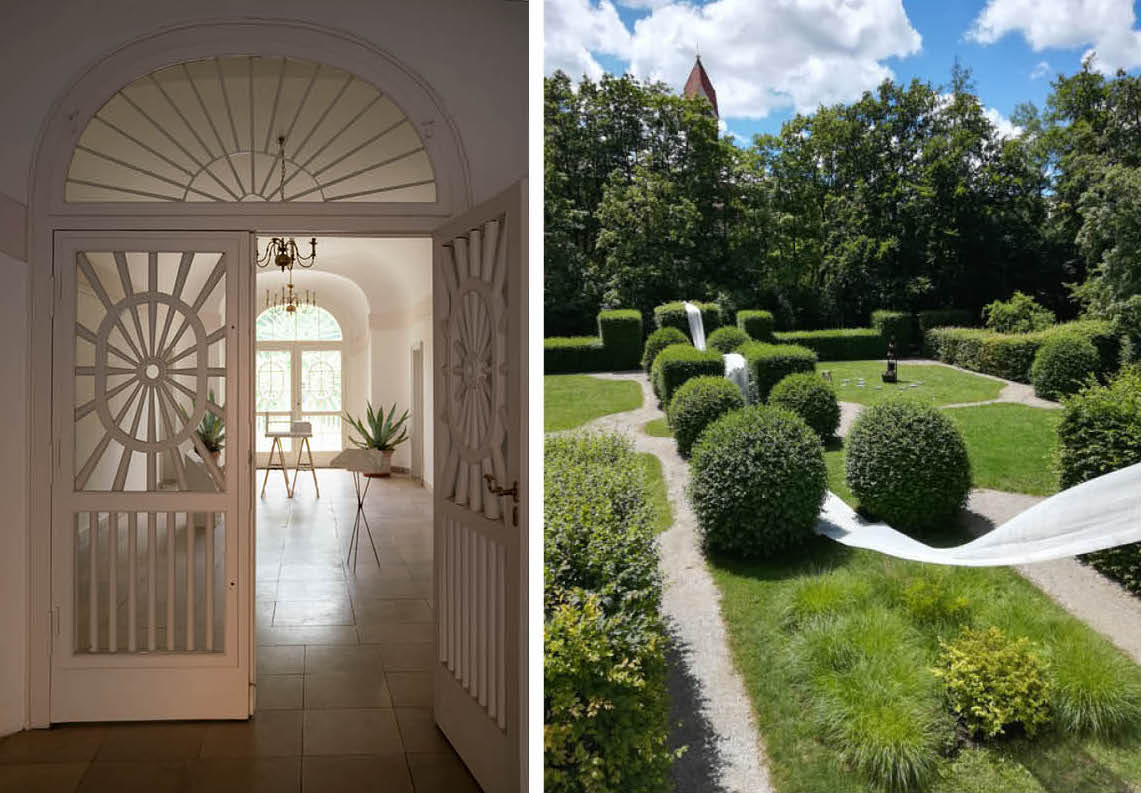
(658, 428)
(937, 385)
(574, 399)
(657, 492)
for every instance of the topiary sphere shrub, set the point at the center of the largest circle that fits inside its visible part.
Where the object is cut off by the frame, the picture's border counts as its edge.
(811, 398)
(660, 340)
(697, 403)
(1062, 365)
(726, 339)
(758, 480)
(907, 464)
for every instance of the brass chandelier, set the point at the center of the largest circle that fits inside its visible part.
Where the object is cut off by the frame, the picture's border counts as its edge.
(284, 254)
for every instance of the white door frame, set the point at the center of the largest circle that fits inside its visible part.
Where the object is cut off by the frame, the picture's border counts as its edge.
(417, 411)
(49, 213)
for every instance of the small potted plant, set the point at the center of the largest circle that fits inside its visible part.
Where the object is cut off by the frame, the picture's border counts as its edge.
(212, 432)
(380, 433)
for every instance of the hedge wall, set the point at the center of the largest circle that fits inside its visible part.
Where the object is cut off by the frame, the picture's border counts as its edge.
(847, 344)
(680, 362)
(758, 324)
(898, 325)
(571, 354)
(944, 318)
(621, 330)
(767, 364)
(675, 316)
(1010, 355)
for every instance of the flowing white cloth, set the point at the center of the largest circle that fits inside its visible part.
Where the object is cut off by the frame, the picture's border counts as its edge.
(694, 319)
(1100, 513)
(735, 370)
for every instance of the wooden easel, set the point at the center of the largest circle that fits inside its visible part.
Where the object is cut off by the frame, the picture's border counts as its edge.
(276, 443)
(308, 465)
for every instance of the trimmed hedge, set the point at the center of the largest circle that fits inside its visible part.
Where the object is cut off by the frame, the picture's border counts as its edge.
(758, 480)
(603, 730)
(726, 339)
(658, 341)
(697, 403)
(944, 318)
(907, 464)
(846, 344)
(621, 330)
(758, 324)
(677, 364)
(1062, 365)
(767, 364)
(898, 325)
(1010, 355)
(812, 398)
(571, 354)
(673, 315)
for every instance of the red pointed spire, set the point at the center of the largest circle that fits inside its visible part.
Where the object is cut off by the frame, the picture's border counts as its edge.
(698, 84)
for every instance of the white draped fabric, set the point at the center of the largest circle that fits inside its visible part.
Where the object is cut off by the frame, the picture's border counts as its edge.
(694, 319)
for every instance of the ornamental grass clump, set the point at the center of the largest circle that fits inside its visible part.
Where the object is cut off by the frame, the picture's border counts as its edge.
(658, 341)
(907, 464)
(1062, 365)
(697, 403)
(812, 398)
(1095, 688)
(726, 339)
(758, 480)
(994, 682)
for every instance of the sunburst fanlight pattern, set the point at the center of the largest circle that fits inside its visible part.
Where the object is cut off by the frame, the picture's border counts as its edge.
(475, 366)
(208, 130)
(150, 364)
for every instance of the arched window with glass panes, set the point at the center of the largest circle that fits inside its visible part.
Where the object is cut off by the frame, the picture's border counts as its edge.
(299, 375)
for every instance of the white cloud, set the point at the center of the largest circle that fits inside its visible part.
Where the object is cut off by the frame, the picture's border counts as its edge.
(1004, 127)
(1105, 26)
(1043, 69)
(576, 30)
(760, 56)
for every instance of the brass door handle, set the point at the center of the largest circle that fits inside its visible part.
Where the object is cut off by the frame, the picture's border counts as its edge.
(496, 490)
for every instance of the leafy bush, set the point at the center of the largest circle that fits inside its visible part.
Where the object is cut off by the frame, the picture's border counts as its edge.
(622, 333)
(899, 325)
(767, 364)
(1095, 688)
(674, 315)
(758, 480)
(1062, 365)
(697, 403)
(933, 600)
(1019, 314)
(907, 464)
(726, 339)
(811, 398)
(680, 362)
(994, 682)
(659, 340)
(847, 344)
(571, 354)
(758, 324)
(943, 318)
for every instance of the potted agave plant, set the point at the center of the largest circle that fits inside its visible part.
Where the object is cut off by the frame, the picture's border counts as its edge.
(381, 433)
(212, 432)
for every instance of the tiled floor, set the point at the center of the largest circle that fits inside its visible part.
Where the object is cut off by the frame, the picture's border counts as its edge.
(344, 688)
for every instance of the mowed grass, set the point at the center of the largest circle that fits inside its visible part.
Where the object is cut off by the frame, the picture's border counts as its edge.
(937, 385)
(659, 428)
(574, 399)
(657, 491)
(1011, 446)
(836, 659)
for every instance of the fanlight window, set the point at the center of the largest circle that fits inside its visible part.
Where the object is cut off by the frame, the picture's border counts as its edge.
(208, 130)
(307, 323)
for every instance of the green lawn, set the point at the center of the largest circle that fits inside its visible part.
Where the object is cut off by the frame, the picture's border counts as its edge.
(937, 385)
(574, 399)
(657, 490)
(835, 468)
(823, 601)
(658, 428)
(1011, 446)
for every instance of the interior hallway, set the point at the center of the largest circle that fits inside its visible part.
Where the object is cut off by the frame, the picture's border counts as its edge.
(344, 686)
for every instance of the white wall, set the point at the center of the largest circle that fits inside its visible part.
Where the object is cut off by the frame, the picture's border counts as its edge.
(13, 492)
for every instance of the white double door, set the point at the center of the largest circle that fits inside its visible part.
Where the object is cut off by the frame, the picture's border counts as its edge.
(299, 381)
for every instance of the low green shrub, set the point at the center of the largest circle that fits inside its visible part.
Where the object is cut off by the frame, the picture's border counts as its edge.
(899, 325)
(758, 324)
(1062, 365)
(675, 315)
(697, 403)
(659, 340)
(943, 318)
(758, 480)
(933, 601)
(907, 464)
(811, 398)
(726, 339)
(767, 364)
(678, 363)
(1019, 314)
(622, 333)
(846, 344)
(1095, 687)
(572, 354)
(994, 682)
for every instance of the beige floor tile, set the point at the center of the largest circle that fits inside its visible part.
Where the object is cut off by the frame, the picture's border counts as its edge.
(151, 742)
(141, 777)
(410, 688)
(312, 590)
(419, 732)
(269, 733)
(246, 775)
(64, 744)
(279, 692)
(286, 659)
(307, 634)
(333, 659)
(393, 610)
(440, 773)
(42, 777)
(358, 689)
(350, 731)
(356, 775)
(327, 611)
(370, 632)
(407, 656)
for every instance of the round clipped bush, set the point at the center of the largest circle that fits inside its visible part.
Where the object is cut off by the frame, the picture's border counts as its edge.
(726, 339)
(697, 403)
(811, 398)
(1062, 365)
(658, 341)
(907, 464)
(758, 480)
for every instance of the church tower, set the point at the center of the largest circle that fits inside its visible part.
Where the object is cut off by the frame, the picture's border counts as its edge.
(698, 84)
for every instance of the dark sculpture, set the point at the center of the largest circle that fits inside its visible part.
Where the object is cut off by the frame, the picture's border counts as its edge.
(890, 375)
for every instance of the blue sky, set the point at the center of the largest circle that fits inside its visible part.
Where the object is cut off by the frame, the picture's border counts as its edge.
(768, 58)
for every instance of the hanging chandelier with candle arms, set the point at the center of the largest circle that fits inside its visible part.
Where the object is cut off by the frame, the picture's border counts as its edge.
(283, 253)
